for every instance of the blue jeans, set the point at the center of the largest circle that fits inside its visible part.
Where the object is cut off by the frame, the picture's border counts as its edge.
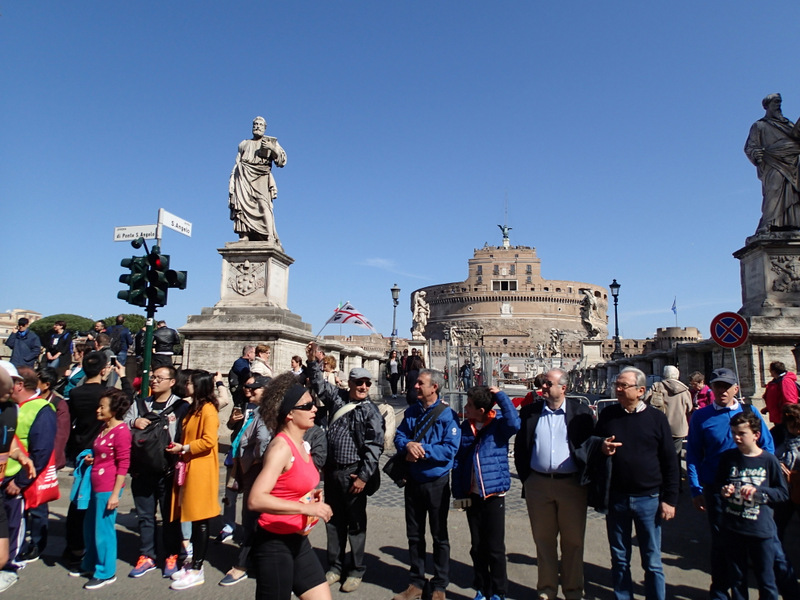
(644, 512)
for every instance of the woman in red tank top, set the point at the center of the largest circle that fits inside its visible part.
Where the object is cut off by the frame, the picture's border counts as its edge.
(286, 496)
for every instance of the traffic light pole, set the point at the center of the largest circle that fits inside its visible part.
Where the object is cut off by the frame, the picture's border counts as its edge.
(153, 271)
(148, 350)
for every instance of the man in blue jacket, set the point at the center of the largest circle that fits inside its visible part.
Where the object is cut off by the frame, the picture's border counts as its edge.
(481, 480)
(427, 493)
(25, 345)
(709, 436)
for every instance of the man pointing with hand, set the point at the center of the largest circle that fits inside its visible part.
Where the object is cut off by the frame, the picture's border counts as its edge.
(644, 482)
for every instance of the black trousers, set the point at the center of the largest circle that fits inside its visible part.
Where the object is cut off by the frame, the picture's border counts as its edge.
(349, 522)
(486, 518)
(431, 501)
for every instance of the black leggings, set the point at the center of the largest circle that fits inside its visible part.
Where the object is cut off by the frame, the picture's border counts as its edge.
(199, 542)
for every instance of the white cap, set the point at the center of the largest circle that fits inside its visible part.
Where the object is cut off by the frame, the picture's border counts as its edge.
(10, 369)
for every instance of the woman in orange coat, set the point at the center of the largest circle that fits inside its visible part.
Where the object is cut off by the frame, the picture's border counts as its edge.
(196, 496)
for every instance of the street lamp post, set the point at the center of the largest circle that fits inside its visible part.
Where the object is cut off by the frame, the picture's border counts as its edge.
(617, 353)
(395, 301)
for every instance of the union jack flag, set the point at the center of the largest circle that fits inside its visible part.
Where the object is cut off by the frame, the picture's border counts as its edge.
(348, 315)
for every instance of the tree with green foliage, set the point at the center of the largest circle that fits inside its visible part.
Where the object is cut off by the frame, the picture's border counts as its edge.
(75, 323)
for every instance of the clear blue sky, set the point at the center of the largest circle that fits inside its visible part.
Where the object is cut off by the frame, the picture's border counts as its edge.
(615, 130)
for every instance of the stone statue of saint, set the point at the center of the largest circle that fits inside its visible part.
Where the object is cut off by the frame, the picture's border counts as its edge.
(252, 189)
(555, 343)
(419, 313)
(773, 146)
(589, 313)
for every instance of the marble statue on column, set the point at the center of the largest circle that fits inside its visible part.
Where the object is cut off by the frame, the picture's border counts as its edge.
(590, 314)
(252, 189)
(420, 311)
(773, 146)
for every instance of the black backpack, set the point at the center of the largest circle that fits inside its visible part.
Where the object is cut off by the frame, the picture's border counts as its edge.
(148, 445)
(115, 333)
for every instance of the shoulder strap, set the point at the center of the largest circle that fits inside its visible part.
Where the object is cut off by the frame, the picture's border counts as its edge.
(421, 429)
(342, 412)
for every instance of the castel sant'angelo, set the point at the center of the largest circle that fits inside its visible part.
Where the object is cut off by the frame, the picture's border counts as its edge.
(506, 306)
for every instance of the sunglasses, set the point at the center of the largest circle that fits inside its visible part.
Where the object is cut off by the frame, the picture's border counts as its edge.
(365, 382)
(306, 406)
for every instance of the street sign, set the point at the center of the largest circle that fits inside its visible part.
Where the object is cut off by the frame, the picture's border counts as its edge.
(131, 232)
(167, 219)
(729, 329)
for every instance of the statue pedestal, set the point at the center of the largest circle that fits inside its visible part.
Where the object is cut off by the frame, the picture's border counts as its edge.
(591, 353)
(254, 274)
(770, 275)
(252, 309)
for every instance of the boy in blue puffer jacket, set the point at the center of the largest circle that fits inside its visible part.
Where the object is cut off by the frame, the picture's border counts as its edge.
(480, 482)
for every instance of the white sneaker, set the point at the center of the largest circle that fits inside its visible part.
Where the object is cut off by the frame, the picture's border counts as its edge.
(180, 572)
(191, 579)
(7, 579)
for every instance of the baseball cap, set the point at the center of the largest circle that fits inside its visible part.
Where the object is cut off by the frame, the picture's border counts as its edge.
(259, 382)
(360, 373)
(723, 375)
(10, 369)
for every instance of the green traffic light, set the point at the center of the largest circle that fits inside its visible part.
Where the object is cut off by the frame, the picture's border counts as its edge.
(136, 281)
(176, 279)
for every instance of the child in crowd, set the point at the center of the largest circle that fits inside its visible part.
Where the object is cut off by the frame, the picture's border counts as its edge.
(750, 480)
(480, 482)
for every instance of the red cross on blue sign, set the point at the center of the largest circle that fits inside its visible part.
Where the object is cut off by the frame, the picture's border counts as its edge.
(729, 329)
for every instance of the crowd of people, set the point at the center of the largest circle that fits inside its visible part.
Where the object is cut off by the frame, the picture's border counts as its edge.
(306, 446)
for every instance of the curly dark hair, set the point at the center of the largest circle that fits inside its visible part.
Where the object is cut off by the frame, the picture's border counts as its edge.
(273, 397)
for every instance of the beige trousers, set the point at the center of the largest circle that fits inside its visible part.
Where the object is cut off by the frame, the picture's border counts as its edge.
(557, 506)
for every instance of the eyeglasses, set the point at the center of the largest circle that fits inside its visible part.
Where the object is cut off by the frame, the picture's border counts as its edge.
(159, 379)
(549, 383)
(306, 406)
(365, 382)
(623, 386)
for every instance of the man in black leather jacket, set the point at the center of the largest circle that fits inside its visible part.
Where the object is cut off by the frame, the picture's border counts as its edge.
(164, 342)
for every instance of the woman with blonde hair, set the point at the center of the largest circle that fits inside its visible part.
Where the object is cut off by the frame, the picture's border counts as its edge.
(260, 363)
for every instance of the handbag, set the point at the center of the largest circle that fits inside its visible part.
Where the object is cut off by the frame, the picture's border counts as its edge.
(44, 488)
(397, 466)
(180, 473)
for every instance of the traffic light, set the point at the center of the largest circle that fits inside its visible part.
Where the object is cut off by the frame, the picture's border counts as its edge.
(136, 281)
(176, 279)
(157, 277)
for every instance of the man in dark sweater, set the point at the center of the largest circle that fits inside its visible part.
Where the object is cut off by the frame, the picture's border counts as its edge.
(644, 482)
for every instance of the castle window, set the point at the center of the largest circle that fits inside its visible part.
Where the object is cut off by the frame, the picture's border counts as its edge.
(480, 270)
(528, 269)
(504, 286)
(496, 270)
(528, 279)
